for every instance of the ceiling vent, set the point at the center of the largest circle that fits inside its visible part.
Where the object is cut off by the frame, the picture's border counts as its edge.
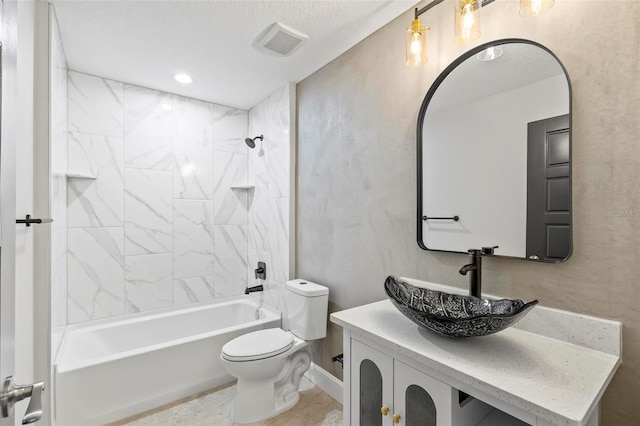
(279, 40)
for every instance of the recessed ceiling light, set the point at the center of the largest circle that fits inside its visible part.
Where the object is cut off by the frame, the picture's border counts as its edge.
(183, 78)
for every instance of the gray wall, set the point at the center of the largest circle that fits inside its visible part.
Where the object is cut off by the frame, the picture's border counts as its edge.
(357, 169)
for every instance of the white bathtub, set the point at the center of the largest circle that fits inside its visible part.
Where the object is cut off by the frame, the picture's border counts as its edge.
(110, 369)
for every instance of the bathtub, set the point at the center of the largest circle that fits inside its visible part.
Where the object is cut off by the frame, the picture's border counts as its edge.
(110, 369)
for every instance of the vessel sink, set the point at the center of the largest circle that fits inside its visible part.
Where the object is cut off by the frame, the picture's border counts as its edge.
(453, 315)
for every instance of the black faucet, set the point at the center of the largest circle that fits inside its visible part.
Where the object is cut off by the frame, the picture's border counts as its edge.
(474, 268)
(253, 289)
(261, 272)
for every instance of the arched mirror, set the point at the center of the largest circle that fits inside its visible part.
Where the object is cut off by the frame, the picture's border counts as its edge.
(494, 154)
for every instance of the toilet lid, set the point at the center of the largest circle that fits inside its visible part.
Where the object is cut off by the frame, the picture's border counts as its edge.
(258, 345)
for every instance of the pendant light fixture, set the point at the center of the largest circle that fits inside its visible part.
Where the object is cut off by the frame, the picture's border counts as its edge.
(417, 37)
(466, 21)
(417, 44)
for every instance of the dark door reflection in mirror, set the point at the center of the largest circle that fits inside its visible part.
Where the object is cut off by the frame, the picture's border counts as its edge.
(478, 144)
(548, 190)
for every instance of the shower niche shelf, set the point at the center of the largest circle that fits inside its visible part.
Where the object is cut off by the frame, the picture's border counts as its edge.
(80, 176)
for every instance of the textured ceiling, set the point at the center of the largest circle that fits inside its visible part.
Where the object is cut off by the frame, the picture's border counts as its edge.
(148, 42)
(521, 64)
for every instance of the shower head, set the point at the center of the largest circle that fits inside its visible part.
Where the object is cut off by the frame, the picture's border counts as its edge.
(251, 143)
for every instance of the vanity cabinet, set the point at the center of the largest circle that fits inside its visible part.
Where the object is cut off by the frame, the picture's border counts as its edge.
(387, 392)
(551, 368)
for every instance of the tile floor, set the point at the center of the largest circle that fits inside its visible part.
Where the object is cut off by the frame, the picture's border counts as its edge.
(315, 408)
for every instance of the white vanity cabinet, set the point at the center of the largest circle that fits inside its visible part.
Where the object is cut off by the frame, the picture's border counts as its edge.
(387, 392)
(551, 368)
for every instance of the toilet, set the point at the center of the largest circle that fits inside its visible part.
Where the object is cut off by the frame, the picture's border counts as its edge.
(270, 363)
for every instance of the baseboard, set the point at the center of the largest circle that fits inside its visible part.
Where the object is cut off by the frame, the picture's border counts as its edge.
(325, 381)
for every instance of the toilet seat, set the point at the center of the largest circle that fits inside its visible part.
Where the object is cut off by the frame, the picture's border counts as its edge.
(257, 345)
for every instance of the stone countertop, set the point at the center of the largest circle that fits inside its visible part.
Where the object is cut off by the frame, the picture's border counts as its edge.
(549, 377)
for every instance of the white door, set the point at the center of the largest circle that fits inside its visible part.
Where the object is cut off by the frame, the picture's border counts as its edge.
(7, 195)
(9, 392)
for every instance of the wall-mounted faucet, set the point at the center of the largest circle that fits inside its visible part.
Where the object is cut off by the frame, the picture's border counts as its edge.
(474, 269)
(261, 273)
(253, 289)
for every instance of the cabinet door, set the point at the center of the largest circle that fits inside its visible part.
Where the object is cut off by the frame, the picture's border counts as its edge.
(371, 386)
(419, 399)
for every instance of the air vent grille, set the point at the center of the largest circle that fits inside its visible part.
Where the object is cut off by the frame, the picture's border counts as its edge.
(279, 40)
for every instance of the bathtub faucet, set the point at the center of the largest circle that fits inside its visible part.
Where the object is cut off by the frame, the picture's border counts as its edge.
(253, 289)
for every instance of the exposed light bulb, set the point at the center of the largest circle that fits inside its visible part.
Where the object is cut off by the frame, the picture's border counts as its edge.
(467, 22)
(535, 7)
(416, 49)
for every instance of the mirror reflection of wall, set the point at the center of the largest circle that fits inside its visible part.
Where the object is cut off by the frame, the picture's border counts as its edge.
(474, 151)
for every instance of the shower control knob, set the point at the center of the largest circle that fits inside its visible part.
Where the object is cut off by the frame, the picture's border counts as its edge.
(261, 272)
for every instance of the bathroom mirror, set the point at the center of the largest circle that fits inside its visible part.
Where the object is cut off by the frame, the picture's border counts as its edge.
(494, 154)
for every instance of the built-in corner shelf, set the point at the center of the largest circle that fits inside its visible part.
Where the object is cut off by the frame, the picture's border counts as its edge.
(243, 187)
(79, 176)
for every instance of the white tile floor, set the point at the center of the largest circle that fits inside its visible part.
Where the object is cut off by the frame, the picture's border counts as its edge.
(315, 408)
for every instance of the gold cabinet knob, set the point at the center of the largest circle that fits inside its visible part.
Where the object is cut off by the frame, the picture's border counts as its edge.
(396, 418)
(384, 411)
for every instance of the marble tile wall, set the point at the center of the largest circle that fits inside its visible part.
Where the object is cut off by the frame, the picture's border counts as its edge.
(58, 185)
(159, 225)
(269, 170)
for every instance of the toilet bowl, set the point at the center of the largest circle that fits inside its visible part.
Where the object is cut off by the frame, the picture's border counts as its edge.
(269, 363)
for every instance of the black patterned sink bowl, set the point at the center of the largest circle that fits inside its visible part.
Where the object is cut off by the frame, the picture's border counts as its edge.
(452, 315)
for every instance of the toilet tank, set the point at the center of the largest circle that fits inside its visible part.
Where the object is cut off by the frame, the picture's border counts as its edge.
(307, 307)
